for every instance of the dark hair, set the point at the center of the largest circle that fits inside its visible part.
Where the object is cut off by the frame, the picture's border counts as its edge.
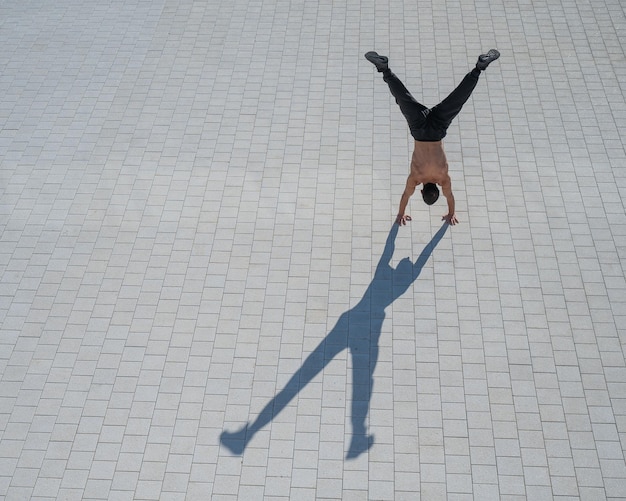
(430, 193)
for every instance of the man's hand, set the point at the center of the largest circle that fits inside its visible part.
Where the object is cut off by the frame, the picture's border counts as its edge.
(450, 219)
(402, 219)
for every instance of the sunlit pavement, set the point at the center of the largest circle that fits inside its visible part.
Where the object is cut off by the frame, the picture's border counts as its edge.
(202, 295)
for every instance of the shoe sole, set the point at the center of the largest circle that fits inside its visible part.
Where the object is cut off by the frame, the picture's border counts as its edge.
(489, 58)
(493, 54)
(376, 59)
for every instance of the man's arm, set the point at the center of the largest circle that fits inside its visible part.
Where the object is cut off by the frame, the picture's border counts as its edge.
(411, 184)
(446, 187)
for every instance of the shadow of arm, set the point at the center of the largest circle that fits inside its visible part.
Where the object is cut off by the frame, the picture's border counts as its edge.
(390, 246)
(428, 250)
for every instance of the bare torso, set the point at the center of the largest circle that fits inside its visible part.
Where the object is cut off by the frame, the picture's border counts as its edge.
(429, 163)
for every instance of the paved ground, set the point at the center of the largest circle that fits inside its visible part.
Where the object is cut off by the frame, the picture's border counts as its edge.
(201, 293)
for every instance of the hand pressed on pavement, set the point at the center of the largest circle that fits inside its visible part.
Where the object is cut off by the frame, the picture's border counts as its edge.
(402, 219)
(450, 219)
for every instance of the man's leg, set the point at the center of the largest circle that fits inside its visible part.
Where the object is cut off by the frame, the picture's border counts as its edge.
(450, 107)
(414, 112)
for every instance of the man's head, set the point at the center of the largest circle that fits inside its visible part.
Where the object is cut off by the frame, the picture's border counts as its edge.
(430, 193)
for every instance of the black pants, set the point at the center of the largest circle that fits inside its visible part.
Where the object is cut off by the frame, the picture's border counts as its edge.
(431, 124)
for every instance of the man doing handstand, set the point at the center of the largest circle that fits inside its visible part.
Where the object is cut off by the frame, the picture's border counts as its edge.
(428, 127)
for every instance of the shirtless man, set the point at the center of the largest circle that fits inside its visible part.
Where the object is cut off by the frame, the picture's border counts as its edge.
(428, 127)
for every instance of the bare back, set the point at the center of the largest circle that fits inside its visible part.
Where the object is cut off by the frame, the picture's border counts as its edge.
(429, 163)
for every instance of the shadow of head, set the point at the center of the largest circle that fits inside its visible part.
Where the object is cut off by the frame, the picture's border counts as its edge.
(404, 269)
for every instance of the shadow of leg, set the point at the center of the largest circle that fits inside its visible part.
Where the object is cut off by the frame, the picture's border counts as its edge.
(359, 444)
(236, 441)
(333, 343)
(364, 357)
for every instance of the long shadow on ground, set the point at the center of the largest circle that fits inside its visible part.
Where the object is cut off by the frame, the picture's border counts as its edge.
(358, 329)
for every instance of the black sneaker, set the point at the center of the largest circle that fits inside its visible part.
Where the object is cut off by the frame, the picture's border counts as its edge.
(379, 61)
(485, 60)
